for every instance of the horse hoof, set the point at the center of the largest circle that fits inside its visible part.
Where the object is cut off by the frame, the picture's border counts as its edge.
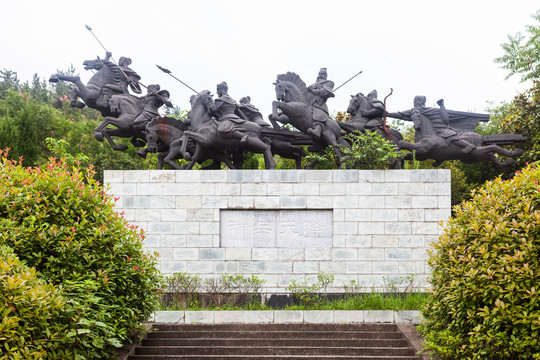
(78, 104)
(120, 147)
(54, 79)
(98, 135)
(142, 153)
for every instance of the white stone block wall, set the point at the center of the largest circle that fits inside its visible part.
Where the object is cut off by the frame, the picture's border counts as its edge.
(382, 221)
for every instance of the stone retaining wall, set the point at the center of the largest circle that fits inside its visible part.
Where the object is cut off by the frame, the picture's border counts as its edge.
(287, 317)
(381, 221)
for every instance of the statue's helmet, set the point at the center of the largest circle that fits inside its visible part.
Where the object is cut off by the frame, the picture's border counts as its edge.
(372, 94)
(222, 86)
(420, 100)
(124, 61)
(154, 88)
(323, 75)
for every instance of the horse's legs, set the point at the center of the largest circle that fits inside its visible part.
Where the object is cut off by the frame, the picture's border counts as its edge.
(196, 157)
(224, 158)
(328, 137)
(174, 153)
(75, 93)
(98, 131)
(160, 158)
(79, 91)
(109, 133)
(256, 144)
(499, 163)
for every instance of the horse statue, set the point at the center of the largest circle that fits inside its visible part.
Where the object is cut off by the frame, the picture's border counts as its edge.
(101, 86)
(365, 116)
(295, 102)
(164, 135)
(209, 141)
(430, 145)
(128, 107)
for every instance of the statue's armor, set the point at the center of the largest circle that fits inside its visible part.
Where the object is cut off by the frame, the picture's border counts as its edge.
(441, 128)
(226, 107)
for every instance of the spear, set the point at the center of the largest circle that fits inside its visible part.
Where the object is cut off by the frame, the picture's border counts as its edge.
(167, 71)
(134, 83)
(347, 81)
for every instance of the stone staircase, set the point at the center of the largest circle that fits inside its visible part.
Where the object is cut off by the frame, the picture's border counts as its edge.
(274, 341)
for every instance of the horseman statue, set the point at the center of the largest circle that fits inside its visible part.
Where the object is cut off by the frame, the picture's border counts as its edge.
(233, 123)
(435, 138)
(439, 119)
(110, 79)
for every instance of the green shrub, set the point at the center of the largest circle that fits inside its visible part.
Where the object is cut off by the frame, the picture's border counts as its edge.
(60, 221)
(368, 150)
(485, 296)
(31, 312)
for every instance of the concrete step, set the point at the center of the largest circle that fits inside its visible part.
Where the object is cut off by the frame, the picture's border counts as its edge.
(274, 350)
(272, 334)
(283, 341)
(264, 357)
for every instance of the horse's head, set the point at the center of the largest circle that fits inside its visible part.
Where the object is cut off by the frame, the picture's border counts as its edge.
(281, 91)
(151, 136)
(95, 64)
(204, 98)
(355, 103)
(114, 104)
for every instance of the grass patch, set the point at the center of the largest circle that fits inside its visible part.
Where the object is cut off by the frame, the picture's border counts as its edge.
(236, 292)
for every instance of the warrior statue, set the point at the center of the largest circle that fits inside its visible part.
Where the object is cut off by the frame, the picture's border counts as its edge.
(232, 122)
(439, 120)
(322, 89)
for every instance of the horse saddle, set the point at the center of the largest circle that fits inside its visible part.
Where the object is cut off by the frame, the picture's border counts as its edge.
(319, 114)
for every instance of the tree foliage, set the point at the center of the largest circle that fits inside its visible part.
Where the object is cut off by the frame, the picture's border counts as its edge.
(523, 117)
(485, 299)
(522, 53)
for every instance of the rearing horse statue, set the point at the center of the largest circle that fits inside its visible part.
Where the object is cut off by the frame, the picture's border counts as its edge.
(296, 105)
(101, 86)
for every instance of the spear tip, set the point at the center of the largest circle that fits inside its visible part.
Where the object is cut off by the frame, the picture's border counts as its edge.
(166, 71)
(88, 28)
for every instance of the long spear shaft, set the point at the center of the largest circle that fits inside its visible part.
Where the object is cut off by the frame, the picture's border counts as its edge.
(167, 71)
(94, 35)
(347, 81)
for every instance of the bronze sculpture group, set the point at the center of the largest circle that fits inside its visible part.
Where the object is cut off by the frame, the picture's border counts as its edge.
(223, 129)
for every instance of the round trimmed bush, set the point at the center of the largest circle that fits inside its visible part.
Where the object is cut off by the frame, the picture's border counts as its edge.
(61, 221)
(485, 295)
(30, 313)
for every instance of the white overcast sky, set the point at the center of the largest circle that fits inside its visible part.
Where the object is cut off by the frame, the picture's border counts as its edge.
(440, 49)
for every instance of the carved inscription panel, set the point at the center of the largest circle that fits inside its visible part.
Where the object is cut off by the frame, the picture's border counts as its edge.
(276, 228)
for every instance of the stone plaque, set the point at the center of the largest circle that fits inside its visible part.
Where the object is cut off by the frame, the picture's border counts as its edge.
(276, 228)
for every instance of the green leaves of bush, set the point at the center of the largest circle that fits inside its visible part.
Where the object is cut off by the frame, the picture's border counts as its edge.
(368, 150)
(61, 222)
(30, 313)
(485, 299)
